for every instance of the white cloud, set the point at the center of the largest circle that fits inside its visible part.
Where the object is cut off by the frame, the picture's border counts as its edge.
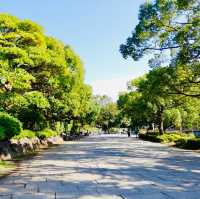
(118, 83)
(111, 87)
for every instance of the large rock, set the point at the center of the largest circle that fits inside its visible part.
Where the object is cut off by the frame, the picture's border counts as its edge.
(54, 140)
(13, 148)
(5, 151)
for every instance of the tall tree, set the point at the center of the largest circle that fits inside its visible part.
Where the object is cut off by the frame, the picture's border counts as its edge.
(169, 28)
(41, 79)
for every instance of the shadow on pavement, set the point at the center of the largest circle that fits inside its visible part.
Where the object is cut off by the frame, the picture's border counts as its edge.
(107, 167)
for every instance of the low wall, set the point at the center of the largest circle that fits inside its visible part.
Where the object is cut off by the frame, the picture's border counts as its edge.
(15, 148)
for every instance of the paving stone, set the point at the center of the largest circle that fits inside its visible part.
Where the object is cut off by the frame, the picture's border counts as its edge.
(146, 196)
(5, 196)
(108, 167)
(184, 195)
(33, 196)
(100, 197)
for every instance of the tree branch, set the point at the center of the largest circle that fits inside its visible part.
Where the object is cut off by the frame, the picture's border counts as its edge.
(160, 49)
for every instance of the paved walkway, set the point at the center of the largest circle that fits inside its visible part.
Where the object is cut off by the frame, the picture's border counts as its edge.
(108, 168)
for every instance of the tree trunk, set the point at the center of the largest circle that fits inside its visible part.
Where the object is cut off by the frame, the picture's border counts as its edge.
(53, 124)
(160, 126)
(160, 120)
(153, 127)
(65, 127)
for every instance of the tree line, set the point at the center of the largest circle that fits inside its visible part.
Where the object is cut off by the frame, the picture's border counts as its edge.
(42, 88)
(168, 95)
(41, 79)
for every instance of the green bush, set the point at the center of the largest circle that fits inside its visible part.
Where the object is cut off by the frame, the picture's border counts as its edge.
(10, 126)
(172, 137)
(190, 143)
(46, 133)
(166, 137)
(25, 134)
(182, 140)
(193, 143)
(150, 136)
(175, 137)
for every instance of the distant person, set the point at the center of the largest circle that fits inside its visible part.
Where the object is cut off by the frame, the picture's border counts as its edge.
(129, 133)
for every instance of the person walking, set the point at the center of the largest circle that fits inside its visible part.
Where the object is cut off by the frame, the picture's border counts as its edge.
(129, 132)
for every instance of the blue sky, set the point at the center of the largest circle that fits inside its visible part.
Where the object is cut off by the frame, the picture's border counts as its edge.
(95, 29)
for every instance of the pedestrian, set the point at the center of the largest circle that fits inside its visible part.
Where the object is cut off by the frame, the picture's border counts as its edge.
(129, 133)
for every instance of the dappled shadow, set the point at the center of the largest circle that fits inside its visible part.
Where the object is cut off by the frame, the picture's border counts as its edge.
(124, 167)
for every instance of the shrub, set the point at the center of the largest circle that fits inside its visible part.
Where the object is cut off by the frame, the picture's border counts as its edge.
(46, 133)
(10, 126)
(182, 140)
(25, 134)
(177, 137)
(150, 136)
(193, 143)
(190, 143)
(166, 137)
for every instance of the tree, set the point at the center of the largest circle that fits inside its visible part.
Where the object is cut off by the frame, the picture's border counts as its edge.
(41, 79)
(172, 119)
(102, 100)
(149, 104)
(134, 110)
(108, 113)
(169, 28)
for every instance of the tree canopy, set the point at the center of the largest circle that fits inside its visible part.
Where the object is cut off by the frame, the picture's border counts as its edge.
(168, 95)
(41, 78)
(169, 30)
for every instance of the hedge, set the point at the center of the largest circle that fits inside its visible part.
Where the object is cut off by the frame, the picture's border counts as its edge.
(182, 140)
(9, 126)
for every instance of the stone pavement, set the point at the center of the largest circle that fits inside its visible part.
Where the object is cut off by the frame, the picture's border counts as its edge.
(109, 168)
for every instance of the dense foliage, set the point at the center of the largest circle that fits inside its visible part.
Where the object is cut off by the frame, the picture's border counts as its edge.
(107, 117)
(168, 96)
(46, 133)
(25, 134)
(169, 30)
(186, 141)
(9, 126)
(41, 79)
